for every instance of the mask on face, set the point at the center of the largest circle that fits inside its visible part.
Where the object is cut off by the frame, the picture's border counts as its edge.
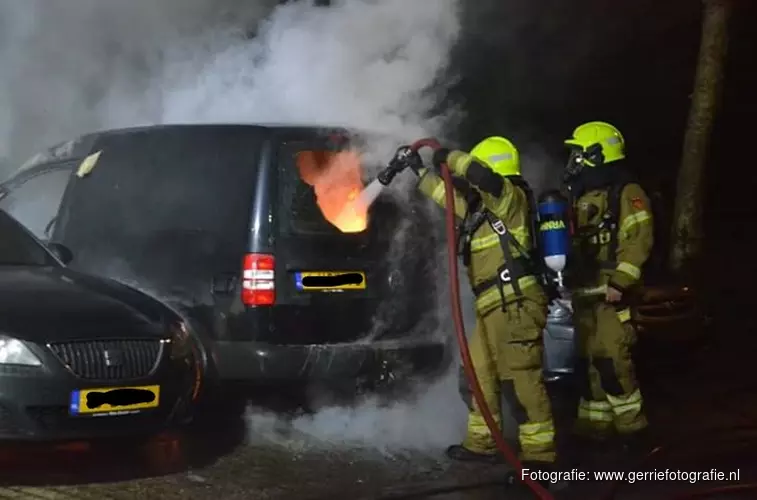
(575, 164)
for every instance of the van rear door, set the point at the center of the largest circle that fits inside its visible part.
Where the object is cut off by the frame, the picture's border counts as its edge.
(308, 246)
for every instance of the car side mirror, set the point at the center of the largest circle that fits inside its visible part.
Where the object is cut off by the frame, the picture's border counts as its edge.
(62, 252)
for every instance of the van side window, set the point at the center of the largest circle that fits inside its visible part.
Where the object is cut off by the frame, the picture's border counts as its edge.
(35, 201)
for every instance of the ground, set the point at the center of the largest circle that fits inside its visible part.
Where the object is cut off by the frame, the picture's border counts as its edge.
(690, 395)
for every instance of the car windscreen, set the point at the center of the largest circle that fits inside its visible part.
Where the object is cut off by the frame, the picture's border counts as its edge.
(18, 248)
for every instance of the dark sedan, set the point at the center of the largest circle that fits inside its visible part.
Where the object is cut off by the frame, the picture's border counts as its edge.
(84, 357)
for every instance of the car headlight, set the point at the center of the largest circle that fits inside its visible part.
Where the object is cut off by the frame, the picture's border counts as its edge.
(14, 352)
(180, 341)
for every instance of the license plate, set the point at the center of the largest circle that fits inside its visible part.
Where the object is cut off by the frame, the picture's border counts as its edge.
(114, 401)
(330, 280)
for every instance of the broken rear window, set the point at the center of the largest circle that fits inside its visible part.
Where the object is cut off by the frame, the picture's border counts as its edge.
(324, 195)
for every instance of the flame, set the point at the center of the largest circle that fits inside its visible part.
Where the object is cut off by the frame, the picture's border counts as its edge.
(337, 181)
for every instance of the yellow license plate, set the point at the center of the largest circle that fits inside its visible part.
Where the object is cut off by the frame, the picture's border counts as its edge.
(330, 280)
(114, 401)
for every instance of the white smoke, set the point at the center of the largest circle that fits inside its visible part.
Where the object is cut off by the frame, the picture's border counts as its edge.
(76, 66)
(435, 420)
(365, 64)
(82, 65)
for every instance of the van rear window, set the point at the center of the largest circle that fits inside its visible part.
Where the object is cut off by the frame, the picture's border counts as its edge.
(325, 193)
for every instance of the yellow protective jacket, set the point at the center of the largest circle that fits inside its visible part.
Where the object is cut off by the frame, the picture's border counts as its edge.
(596, 264)
(510, 204)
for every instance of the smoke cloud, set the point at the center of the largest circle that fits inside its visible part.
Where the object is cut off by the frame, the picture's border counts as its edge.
(381, 66)
(83, 65)
(428, 424)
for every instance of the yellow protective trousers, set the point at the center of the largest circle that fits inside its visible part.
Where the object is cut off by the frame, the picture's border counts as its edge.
(506, 350)
(610, 398)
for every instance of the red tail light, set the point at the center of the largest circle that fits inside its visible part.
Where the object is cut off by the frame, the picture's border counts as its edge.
(258, 286)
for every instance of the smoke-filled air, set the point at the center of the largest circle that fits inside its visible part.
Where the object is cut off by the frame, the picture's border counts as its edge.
(76, 66)
(84, 65)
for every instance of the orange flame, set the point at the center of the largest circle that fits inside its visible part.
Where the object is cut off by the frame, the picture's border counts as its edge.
(337, 181)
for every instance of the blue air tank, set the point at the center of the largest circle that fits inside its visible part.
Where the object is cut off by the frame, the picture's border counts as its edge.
(554, 232)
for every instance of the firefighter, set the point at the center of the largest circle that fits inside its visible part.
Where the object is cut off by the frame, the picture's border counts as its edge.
(494, 203)
(612, 241)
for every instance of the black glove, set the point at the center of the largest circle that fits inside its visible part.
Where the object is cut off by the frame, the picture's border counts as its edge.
(440, 156)
(415, 162)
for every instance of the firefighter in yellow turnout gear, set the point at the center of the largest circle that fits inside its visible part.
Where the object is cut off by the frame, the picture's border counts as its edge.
(511, 306)
(613, 239)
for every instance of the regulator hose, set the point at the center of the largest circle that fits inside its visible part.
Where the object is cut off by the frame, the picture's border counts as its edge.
(457, 315)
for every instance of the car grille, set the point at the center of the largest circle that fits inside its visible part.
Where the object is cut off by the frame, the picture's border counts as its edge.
(109, 359)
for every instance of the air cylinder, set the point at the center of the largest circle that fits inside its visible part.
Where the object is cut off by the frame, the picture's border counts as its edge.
(554, 232)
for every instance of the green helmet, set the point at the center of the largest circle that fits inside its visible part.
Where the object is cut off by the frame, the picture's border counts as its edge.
(599, 142)
(499, 154)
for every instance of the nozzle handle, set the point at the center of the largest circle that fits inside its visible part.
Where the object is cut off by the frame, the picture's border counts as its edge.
(386, 176)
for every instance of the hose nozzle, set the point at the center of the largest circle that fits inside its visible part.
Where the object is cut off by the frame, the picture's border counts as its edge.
(397, 165)
(387, 175)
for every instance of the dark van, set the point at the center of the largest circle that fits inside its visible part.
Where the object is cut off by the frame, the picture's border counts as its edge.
(216, 221)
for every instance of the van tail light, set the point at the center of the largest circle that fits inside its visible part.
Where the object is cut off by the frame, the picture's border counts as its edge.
(258, 286)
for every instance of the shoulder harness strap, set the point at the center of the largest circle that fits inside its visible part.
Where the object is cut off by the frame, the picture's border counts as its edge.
(471, 221)
(512, 269)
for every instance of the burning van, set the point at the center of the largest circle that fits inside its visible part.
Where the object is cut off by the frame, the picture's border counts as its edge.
(257, 235)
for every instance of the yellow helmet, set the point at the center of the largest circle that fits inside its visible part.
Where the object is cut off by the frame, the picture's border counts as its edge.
(600, 143)
(499, 154)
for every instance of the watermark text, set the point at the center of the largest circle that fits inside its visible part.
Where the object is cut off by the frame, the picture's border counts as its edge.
(631, 476)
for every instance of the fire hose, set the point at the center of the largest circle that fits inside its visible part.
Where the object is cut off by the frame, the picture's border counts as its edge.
(457, 315)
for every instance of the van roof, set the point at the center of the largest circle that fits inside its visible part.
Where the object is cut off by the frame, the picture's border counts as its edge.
(273, 129)
(81, 146)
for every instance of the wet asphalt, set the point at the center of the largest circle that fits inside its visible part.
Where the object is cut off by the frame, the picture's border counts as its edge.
(701, 396)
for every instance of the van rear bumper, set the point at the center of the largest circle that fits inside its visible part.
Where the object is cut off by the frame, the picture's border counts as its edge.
(256, 361)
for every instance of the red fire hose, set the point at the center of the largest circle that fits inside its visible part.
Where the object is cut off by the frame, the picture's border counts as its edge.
(457, 315)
